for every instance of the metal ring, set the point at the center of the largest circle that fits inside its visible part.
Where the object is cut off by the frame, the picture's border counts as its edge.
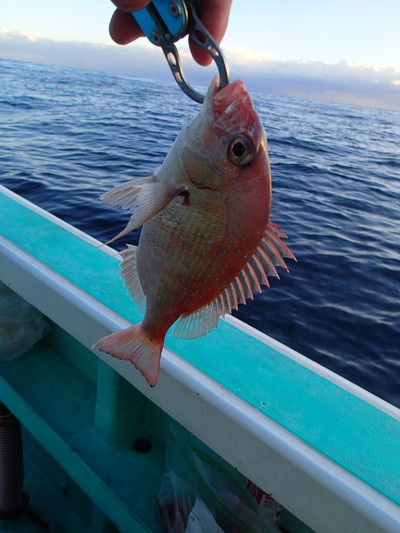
(202, 37)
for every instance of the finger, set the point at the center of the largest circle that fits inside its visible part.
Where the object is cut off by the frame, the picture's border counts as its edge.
(123, 28)
(214, 16)
(130, 5)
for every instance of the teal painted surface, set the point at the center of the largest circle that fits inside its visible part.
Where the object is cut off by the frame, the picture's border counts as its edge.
(57, 404)
(88, 425)
(349, 431)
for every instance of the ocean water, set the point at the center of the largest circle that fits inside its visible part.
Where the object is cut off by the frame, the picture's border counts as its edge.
(67, 136)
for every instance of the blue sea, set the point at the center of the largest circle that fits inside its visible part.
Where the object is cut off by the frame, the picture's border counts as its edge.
(68, 135)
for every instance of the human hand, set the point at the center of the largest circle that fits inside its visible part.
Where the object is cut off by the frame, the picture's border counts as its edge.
(214, 15)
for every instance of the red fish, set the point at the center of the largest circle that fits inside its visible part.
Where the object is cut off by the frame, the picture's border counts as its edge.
(207, 242)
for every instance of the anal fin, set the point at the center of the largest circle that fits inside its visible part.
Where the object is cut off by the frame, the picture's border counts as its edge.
(198, 323)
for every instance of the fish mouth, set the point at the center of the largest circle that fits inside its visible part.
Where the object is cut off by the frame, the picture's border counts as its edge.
(231, 108)
(223, 99)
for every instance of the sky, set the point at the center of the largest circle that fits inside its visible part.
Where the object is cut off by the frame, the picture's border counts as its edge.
(347, 51)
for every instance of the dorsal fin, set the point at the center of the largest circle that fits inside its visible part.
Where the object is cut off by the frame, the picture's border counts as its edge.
(274, 235)
(269, 253)
(240, 293)
(245, 282)
(130, 275)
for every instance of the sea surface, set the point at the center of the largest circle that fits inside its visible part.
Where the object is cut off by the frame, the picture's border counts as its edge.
(68, 135)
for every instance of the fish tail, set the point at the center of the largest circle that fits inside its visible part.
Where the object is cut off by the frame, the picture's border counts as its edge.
(134, 345)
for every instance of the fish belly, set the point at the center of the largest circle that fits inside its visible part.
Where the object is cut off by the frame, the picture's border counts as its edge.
(188, 254)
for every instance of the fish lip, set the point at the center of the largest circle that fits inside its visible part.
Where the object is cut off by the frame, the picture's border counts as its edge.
(232, 110)
(221, 99)
(231, 107)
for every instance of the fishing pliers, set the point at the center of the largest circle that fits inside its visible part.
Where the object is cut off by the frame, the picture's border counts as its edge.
(166, 21)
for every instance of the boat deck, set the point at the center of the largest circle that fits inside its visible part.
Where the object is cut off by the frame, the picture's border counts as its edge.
(324, 448)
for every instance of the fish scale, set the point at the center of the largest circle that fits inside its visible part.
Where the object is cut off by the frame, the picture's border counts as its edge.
(171, 233)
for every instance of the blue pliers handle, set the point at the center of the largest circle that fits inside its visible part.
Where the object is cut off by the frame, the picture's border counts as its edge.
(166, 21)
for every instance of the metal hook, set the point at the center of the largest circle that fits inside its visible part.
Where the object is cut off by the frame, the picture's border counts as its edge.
(164, 23)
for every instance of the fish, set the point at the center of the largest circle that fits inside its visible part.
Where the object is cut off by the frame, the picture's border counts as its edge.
(207, 242)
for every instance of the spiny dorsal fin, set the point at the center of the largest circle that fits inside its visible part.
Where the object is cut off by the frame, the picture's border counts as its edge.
(144, 198)
(269, 253)
(274, 235)
(130, 275)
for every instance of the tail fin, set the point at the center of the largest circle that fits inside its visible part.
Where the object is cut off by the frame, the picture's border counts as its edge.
(134, 344)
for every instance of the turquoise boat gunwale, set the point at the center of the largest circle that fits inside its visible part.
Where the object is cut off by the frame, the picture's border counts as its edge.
(279, 416)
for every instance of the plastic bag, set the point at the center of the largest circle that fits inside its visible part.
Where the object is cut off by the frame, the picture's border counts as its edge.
(195, 480)
(21, 325)
(268, 508)
(201, 519)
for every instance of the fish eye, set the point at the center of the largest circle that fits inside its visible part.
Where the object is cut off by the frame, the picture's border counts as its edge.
(241, 150)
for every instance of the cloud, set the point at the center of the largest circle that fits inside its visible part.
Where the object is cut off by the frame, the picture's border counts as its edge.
(341, 82)
(140, 60)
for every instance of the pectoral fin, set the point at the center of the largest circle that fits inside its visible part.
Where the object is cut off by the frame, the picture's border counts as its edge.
(143, 198)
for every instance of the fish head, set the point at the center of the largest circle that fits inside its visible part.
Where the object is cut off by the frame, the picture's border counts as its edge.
(227, 143)
(231, 112)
